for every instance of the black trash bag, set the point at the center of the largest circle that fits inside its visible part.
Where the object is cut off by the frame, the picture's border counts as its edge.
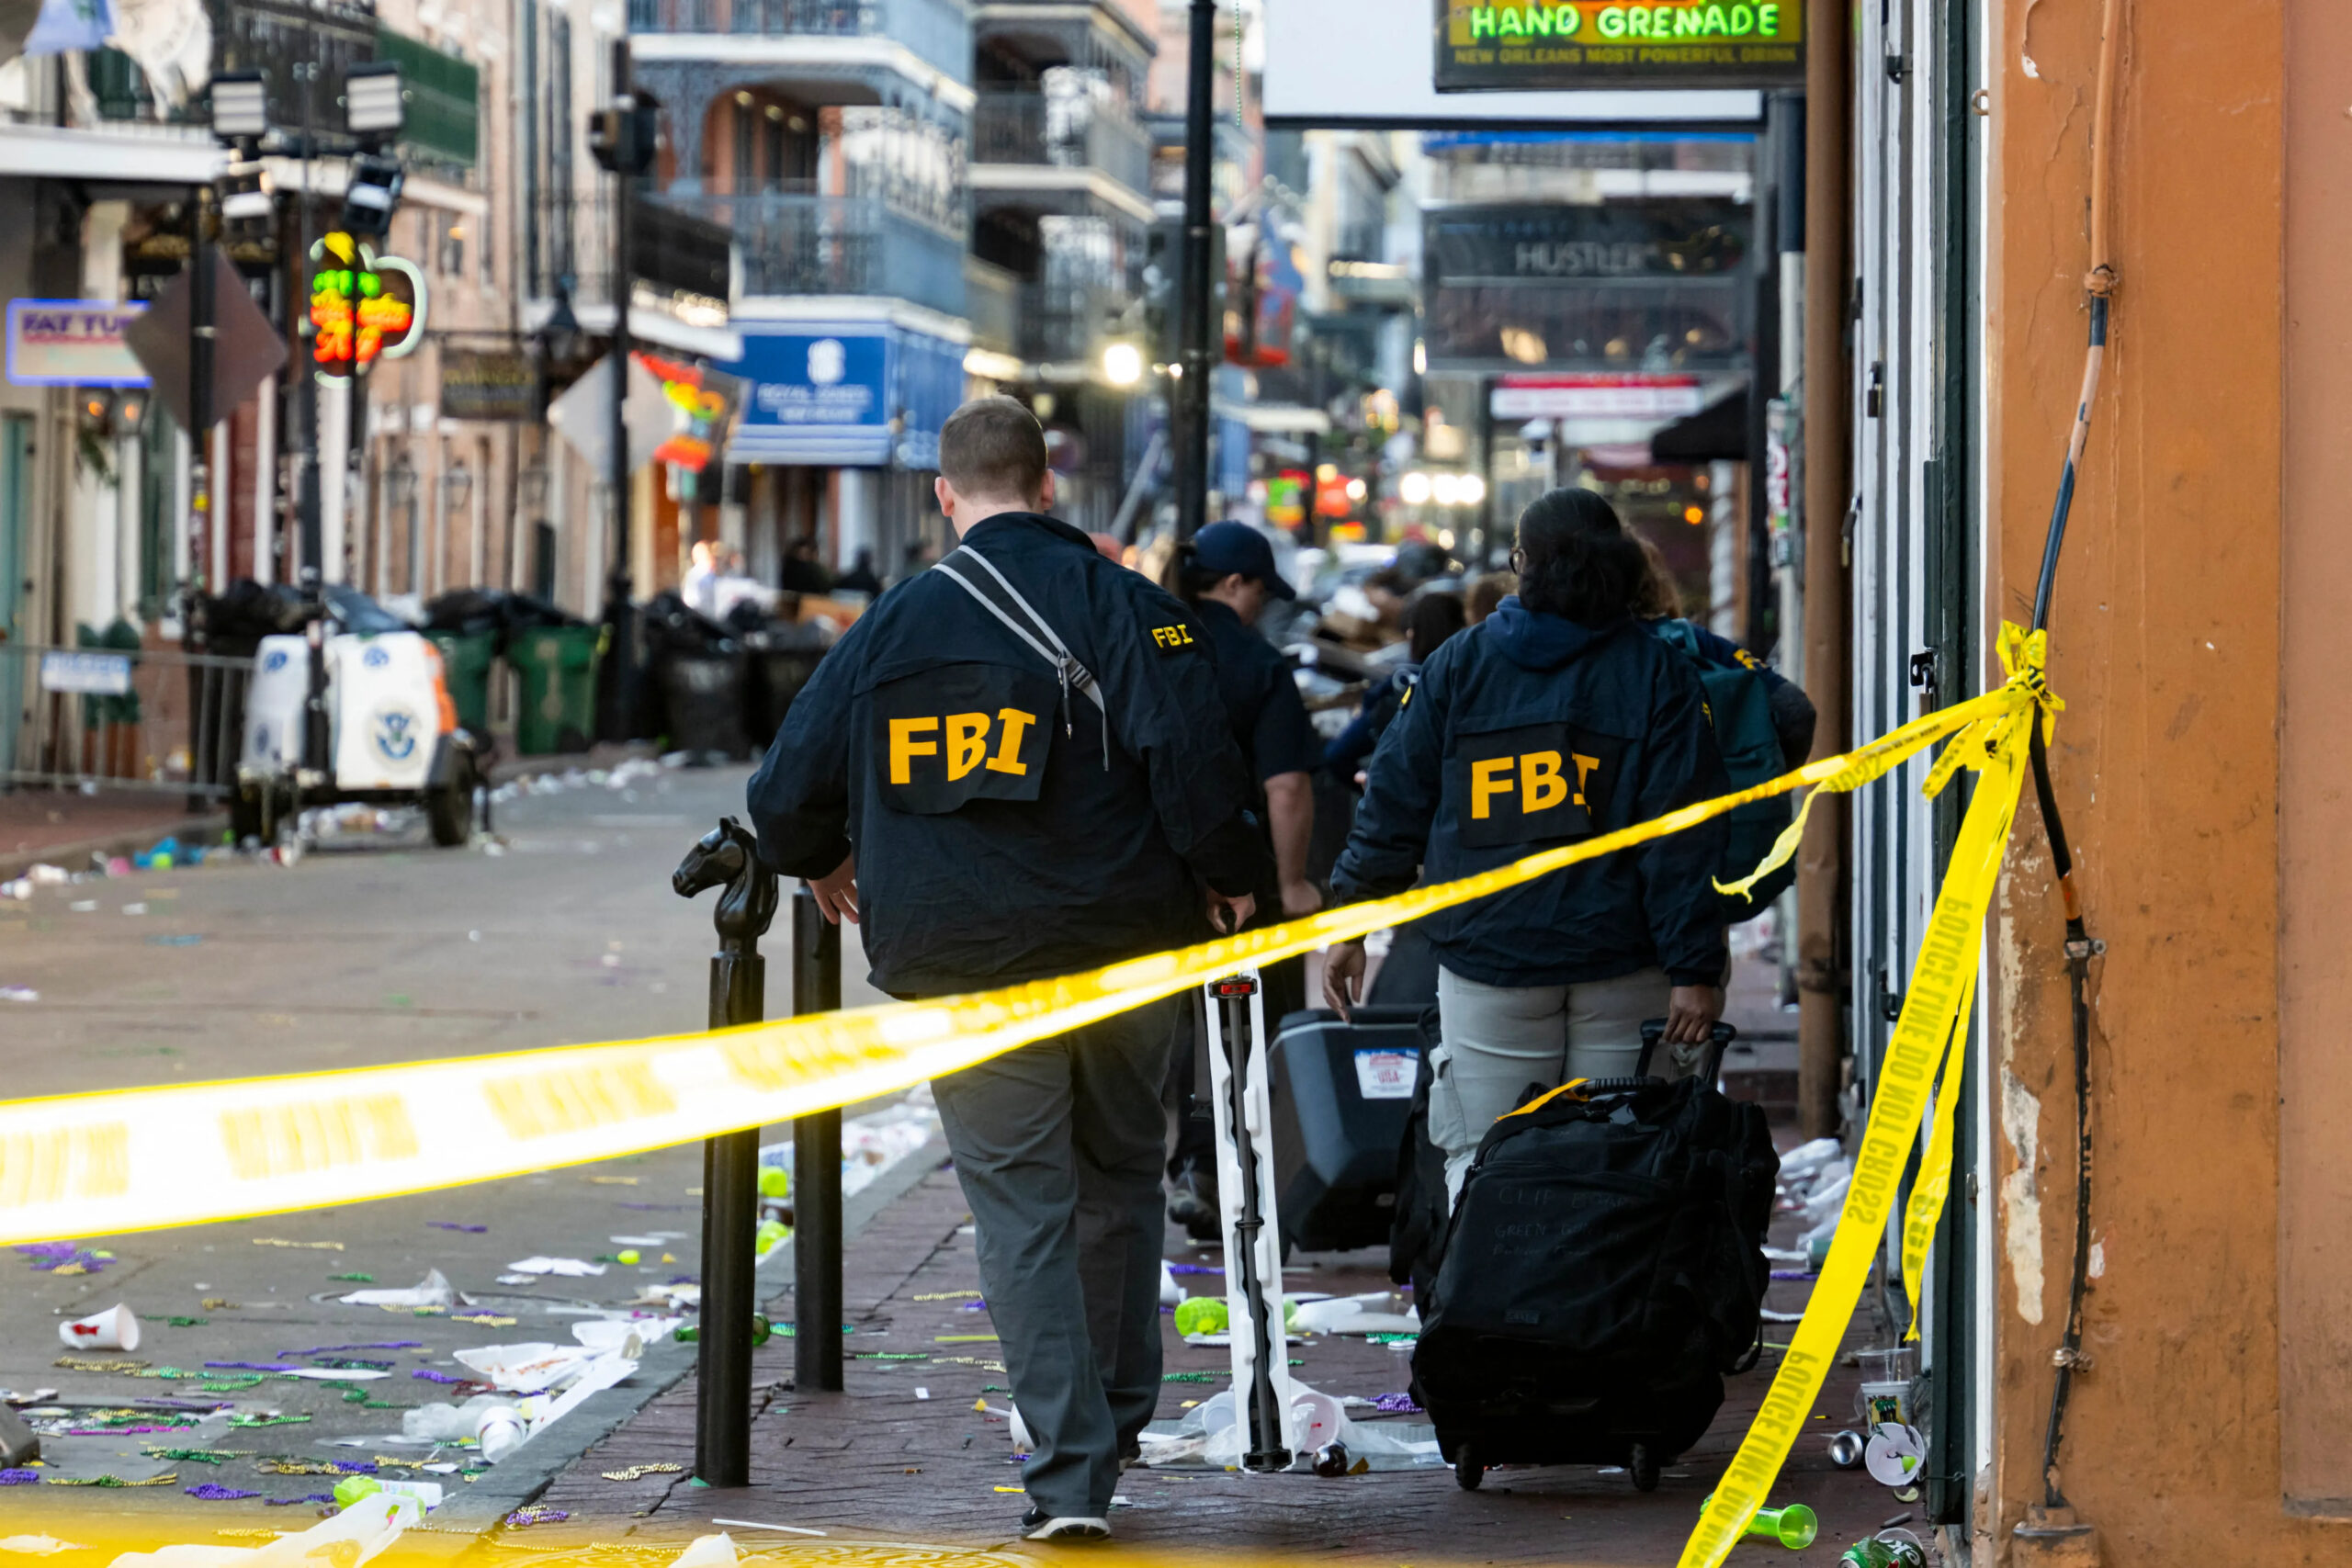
(782, 657)
(672, 626)
(523, 612)
(692, 693)
(236, 619)
(466, 612)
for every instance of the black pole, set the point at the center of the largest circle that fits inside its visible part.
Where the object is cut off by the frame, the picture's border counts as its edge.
(816, 1169)
(727, 857)
(1197, 289)
(617, 674)
(201, 333)
(210, 767)
(309, 483)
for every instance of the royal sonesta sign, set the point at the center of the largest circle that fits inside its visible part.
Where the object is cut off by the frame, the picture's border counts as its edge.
(1584, 43)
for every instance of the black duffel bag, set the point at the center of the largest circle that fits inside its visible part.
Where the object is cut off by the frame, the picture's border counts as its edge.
(1602, 1271)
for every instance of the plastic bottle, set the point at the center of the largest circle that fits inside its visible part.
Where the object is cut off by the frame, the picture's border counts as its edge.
(1888, 1551)
(691, 1333)
(352, 1488)
(1793, 1526)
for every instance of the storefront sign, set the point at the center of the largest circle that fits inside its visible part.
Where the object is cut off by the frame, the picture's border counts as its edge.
(704, 401)
(499, 384)
(364, 307)
(1486, 45)
(90, 675)
(1652, 285)
(71, 342)
(1596, 396)
(856, 394)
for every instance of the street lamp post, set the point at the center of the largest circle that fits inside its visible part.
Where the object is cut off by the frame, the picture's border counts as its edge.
(621, 138)
(1196, 291)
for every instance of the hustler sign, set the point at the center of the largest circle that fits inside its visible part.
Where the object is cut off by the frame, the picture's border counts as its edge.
(1484, 46)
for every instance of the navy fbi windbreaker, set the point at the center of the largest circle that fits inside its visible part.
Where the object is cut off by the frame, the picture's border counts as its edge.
(1526, 731)
(1001, 835)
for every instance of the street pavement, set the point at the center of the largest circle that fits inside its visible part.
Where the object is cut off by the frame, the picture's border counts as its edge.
(384, 952)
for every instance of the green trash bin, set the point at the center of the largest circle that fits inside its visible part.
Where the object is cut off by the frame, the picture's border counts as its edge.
(465, 665)
(558, 667)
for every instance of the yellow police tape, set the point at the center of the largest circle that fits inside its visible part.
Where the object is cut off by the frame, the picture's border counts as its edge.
(143, 1159)
(1933, 1025)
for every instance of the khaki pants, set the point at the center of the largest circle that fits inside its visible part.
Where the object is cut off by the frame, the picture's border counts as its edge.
(1500, 1040)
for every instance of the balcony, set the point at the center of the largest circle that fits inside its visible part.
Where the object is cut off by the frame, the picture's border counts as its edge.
(800, 243)
(1063, 324)
(1361, 239)
(682, 259)
(992, 304)
(935, 32)
(1027, 145)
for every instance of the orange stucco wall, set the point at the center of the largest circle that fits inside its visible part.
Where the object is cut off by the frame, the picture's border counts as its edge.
(2167, 642)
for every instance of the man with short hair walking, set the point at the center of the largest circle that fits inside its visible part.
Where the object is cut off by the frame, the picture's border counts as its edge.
(1016, 765)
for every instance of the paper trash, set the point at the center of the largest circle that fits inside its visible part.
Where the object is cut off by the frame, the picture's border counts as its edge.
(348, 1540)
(113, 1329)
(708, 1552)
(1209, 1437)
(527, 1368)
(569, 1267)
(1377, 1311)
(430, 1291)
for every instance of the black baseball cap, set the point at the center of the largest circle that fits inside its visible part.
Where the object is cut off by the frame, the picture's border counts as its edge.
(1223, 549)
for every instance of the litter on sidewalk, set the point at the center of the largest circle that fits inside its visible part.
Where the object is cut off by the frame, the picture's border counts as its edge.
(1209, 1437)
(563, 1268)
(433, 1290)
(352, 1537)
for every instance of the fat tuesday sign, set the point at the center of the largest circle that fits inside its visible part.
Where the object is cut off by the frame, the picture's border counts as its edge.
(1488, 45)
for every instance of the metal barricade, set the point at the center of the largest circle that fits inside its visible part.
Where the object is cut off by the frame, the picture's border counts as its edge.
(106, 718)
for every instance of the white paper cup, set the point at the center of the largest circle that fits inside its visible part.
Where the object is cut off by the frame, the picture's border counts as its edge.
(113, 1329)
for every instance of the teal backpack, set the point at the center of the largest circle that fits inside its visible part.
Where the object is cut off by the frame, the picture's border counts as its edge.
(1742, 708)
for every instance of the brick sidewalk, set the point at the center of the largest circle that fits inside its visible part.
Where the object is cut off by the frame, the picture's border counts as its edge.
(878, 1463)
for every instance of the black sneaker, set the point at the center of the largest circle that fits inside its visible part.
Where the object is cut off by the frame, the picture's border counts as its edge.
(1193, 1203)
(1038, 1525)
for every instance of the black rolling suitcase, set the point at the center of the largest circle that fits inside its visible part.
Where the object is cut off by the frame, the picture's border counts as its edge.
(1341, 1092)
(1602, 1271)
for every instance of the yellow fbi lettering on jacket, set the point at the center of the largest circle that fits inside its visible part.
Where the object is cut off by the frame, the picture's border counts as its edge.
(959, 733)
(1172, 639)
(1530, 782)
(966, 739)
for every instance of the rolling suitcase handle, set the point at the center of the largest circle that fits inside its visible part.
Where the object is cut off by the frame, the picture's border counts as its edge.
(1654, 1030)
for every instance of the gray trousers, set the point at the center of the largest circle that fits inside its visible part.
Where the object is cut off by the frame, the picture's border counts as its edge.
(1497, 1040)
(1059, 1146)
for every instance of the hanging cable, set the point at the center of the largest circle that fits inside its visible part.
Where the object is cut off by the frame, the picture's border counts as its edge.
(2099, 283)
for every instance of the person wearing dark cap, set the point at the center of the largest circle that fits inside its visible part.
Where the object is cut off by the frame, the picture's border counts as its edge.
(1228, 575)
(1014, 766)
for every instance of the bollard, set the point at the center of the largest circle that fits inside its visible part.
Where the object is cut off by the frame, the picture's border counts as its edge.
(727, 857)
(816, 1169)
